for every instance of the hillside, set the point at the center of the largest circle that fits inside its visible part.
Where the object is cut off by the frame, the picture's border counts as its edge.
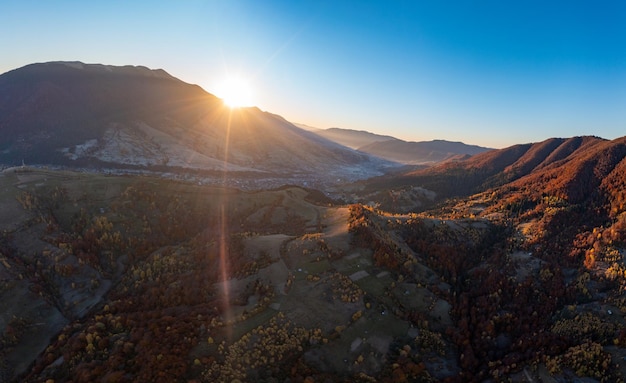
(98, 116)
(540, 298)
(456, 178)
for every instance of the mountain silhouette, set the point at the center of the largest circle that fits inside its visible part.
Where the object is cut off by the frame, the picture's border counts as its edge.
(75, 114)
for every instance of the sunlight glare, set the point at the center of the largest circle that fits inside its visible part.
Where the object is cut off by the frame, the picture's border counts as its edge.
(235, 92)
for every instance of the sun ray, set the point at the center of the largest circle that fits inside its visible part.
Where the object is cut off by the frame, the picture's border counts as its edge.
(224, 235)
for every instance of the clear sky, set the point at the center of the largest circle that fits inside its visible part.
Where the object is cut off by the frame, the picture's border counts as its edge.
(492, 73)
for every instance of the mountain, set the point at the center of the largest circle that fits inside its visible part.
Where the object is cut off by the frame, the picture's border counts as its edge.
(396, 150)
(423, 152)
(544, 159)
(524, 164)
(92, 115)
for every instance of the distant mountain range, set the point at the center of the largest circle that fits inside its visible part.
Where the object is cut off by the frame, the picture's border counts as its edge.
(394, 149)
(92, 115)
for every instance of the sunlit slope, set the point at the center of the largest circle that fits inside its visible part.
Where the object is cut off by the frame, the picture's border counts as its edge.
(574, 167)
(497, 167)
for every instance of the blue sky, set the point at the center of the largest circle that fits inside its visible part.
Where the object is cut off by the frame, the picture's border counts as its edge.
(492, 73)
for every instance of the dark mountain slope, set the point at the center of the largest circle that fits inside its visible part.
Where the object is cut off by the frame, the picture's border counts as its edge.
(71, 101)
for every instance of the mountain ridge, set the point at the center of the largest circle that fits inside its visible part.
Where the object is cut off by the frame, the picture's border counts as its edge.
(94, 115)
(497, 167)
(567, 167)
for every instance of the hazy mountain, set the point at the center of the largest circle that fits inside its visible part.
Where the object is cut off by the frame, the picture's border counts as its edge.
(307, 127)
(70, 113)
(420, 152)
(354, 139)
(396, 150)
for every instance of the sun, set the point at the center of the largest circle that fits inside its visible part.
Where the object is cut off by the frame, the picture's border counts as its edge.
(235, 92)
